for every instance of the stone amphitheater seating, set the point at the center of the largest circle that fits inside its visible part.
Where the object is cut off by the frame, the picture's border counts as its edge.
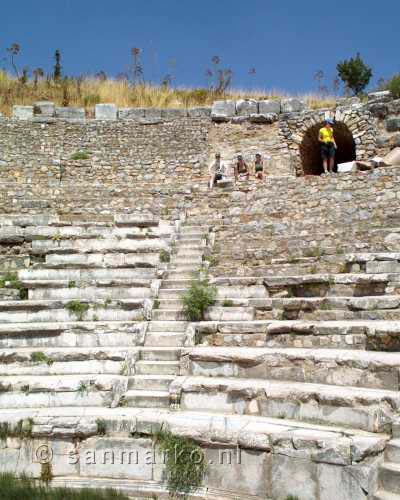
(297, 364)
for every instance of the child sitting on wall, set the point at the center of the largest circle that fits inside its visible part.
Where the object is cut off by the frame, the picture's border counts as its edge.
(259, 167)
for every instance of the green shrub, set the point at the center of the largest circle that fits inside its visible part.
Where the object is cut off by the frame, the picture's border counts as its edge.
(25, 488)
(40, 357)
(185, 463)
(292, 497)
(165, 256)
(78, 308)
(12, 279)
(22, 430)
(228, 303)
(80, 155)
(101, 427)
(197, 298)
(72, 284)
(394, 86)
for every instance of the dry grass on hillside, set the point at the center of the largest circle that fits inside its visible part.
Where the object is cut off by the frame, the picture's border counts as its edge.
(89, 91)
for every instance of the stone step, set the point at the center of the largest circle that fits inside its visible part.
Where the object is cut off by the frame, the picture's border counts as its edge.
(65, 361)
(183, 268)
(119, 282)
(72, 334)
(385, 495)
(92, 293)
(173, 284)
(195, 261)
(159, 354)
(230, 314)
(165, 339)
(79, 275)
(90, 246)
(173, 293)
(366, 409)
(389, 477)
(193, 229)
(168, 326)
(169, 304)
(194, 243)
(193, 236)
(150, 382)
(373, 370)
(157, 367)
(60, 390)
(349, 334)
(101, 260)
(392, 451)
(168, 315)
(147, 399)
(179, 275)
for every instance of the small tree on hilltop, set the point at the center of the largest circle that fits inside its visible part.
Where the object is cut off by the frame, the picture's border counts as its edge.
(57, 66)
(355, 74)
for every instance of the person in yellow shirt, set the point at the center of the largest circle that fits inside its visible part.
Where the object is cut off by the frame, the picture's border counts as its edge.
(328, 146)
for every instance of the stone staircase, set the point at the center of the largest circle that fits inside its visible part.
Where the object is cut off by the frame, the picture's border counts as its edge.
(159, 366)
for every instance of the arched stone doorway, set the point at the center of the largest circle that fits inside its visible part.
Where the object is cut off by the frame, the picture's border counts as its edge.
(355, 132)
(311, 160)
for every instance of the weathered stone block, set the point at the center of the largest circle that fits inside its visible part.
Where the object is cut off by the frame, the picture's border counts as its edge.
(199, 112)
(106, 111)
(223, 110)
(292, 105)
(152, 113)
(70, 114)
(263, 118)
(291, 476)
(131, 113)
(392, 124)
(269, 106)
(246, 107)
(44, 108)
(173, 114)
(378, 109)
(22, 112)
(382, 96)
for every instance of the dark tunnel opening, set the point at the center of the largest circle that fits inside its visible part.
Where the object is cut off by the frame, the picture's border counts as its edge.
(310, 148)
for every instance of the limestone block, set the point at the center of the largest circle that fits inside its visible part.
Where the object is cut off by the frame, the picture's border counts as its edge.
(152, 113)
(378, 109)
(292, 105)
(223, 110)
(269, 106)
(199, 112)
(131, 113)
(106, 111)
(173, 114)
(22, 112)
(70, 114)
(244, 471)
(293, 476)
(246, 107)
(382, 96)
(44, 108)
(116, 458)
(346, 483)
(392, 124)
(263, 118)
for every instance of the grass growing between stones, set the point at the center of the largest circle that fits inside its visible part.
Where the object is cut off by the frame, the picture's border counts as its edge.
(24, 488)
(12, 280)
(80, 155)
(40, 357)
(165, 256)
(78, 308)
(185, 463)
(197, 298)
(22, 430)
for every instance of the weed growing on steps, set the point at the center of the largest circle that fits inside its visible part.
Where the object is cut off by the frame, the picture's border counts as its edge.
(23, 430)
(80, 155)
(72, 284)
(156, 304)
(46, 473)
(228, 303)
(24, 487)
(212, 260)
(78, 308)
(26, 389)
(101, 427)
(197, 298)
(13, 281)
(185, 463)
(292, 497)
(83, 388)
(124, 372)
(165, 256)
(40, 357)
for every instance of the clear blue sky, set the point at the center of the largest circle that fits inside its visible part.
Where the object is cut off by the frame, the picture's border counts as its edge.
(286, 42)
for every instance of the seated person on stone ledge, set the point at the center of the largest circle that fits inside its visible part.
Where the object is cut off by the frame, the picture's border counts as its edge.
(241, 169)
(259, 167)
(216, 171)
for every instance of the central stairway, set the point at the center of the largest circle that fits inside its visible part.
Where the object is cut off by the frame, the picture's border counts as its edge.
(159, 359)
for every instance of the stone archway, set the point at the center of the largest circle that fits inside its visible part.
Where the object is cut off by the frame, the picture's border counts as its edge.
(311, 161)
(355, 132)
